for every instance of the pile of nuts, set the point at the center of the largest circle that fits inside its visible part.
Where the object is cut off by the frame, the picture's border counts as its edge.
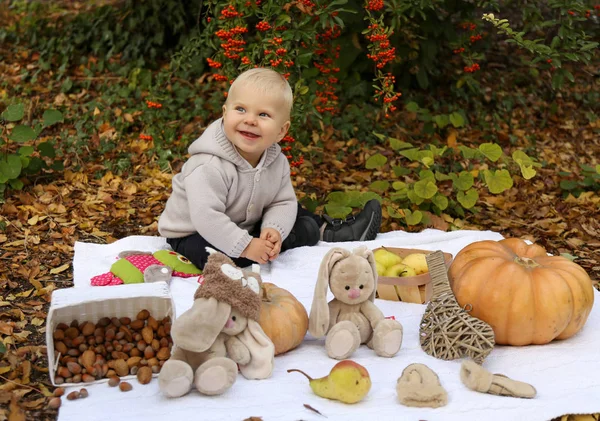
(112, 347)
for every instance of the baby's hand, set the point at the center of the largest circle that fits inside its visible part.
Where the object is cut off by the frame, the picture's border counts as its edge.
(258, 250)
(272, 235)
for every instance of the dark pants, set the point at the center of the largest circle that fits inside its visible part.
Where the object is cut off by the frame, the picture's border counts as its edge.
(194, 246)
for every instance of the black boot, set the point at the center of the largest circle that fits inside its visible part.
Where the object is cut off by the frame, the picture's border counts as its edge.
(362, 227)
(305, 233)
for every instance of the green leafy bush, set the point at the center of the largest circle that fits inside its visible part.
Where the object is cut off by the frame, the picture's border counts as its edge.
(31, 157)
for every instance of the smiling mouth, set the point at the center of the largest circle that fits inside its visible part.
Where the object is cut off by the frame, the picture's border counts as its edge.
(249, 135)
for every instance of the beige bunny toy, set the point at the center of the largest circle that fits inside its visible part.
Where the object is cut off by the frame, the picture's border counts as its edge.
(351, 318)
(219, 332)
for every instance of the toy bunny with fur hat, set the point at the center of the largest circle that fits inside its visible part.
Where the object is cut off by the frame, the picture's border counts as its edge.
(351, 318)
(220, 331)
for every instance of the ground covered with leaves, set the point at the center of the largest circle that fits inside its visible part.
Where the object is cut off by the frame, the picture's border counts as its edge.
(86, 202)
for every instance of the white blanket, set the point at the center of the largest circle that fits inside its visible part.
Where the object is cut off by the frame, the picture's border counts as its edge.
(566, 374)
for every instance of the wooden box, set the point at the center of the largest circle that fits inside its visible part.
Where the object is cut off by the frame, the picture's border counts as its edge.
(413, 289)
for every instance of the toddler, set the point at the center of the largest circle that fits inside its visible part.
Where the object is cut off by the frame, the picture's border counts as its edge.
(235, 194)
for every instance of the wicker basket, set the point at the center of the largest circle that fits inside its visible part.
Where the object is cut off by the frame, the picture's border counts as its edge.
(412, 289)
(91, 304)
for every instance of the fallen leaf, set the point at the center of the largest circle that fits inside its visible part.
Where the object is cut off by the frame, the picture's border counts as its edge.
(60, 269)
(16, 413)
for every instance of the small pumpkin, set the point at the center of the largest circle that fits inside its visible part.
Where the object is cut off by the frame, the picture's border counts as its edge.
(282, 317)
(526, 296)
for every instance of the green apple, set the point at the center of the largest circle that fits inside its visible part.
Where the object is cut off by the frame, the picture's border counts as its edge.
(417, 261)
(401, 270)
(386, 258)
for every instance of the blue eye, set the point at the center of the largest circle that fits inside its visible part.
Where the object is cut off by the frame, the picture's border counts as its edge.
(240, 109)
(264, 115)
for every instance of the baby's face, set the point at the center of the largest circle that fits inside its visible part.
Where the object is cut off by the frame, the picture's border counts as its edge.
(254, 121)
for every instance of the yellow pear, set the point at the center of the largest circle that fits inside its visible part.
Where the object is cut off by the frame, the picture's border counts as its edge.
(386, 258)
(347, 382)
(400, 270)
(417, 261)
(380, 269)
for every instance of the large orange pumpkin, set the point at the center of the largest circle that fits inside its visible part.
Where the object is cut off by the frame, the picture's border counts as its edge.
(526, 296)
(282, 317)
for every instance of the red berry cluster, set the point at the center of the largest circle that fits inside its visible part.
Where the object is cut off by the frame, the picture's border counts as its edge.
(214, 64)
(229, 12)
(263, 26)
(471, 69)
(474, 38)
(286, 149)
(459, 50)
(326, 54)
(374, 5)
(234, 44)
(145, 137)
(381, 51)
(151, 104)
(468, 25)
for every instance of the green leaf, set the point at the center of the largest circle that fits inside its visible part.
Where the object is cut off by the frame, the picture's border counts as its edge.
(400, 171)
(14, 112)
(283, 19)
(441, 176)
(47, 149)
(16, 184)
(467, 199)
(426, 188)
(22, 134)
(412, 107)
(337, 197)
(366, 196)
(598, 168)
(26, 150)
(337, 211)
(414, 197)
(457, 119)
(66, 85)
(423, 174)
(441, 120)
(492, 151)
(376, 161)
(498, 181)
(464, 181)
(353, 199)
(11, 166)
(2, 347)
(399, 185)
(412, 218)
(412, 154)
(397, 144)
(51, 117)
(427, 161)
(437, 151)
(527, 171)
(568, 184)
(380, 186)
(440, 201)
(35, 165)
(468, 153)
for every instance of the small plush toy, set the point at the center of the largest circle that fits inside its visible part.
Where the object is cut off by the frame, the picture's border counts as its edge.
(351, 318)
(135, 267)
(219, 332)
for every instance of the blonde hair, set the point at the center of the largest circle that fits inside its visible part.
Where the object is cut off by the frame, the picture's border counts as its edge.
(266, 81)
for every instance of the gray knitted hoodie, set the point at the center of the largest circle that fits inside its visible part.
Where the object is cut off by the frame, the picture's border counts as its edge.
(221, 196)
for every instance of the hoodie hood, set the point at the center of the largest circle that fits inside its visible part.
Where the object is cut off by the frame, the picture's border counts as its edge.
(214, 142)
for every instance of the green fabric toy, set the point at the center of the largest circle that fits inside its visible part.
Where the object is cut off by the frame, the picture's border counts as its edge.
(137, 266)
